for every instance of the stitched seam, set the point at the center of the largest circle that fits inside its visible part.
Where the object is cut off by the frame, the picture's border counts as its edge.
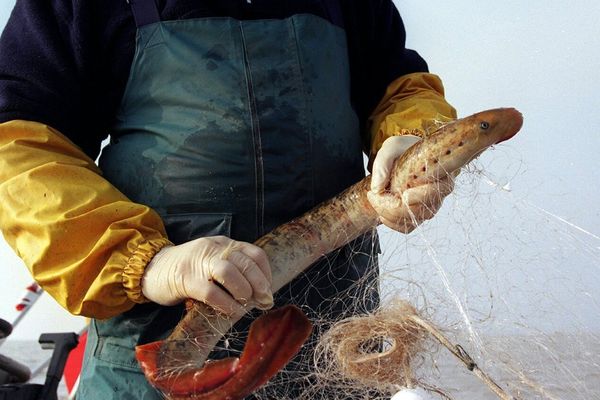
(307, 122)
(256, 141)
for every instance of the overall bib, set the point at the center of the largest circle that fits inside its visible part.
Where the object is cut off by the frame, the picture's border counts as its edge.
(232, 127)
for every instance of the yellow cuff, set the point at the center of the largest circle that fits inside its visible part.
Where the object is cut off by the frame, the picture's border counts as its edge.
(413, 104)
(136, 265)
(84, 242)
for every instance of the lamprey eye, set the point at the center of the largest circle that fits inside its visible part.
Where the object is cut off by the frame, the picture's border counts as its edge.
(484, 125)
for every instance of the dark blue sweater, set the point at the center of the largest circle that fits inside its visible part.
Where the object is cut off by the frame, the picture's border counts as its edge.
(65, 63)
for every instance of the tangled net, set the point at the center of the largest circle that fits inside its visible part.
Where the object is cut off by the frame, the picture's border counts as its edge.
(377, 354)
(376, 351)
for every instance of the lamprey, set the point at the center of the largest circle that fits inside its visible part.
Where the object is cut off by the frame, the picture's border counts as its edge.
(177, 364)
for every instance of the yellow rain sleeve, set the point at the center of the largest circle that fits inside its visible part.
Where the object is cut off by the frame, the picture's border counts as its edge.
(84, 242)
(413, 104)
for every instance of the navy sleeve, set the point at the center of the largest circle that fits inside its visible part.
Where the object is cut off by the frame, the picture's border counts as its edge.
(377, 51)
(49, 69)
(390, 53)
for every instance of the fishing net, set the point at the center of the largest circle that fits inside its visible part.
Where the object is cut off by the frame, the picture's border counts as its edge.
(495, 290)
(510, 282)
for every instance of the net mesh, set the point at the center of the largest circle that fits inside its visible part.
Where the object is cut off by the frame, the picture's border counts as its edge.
(509, 281)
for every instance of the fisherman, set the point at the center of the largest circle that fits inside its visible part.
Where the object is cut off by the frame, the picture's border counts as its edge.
(226, 118)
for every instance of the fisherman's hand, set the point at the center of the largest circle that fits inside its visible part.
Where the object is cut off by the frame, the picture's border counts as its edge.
(222, 273)
(404, 211)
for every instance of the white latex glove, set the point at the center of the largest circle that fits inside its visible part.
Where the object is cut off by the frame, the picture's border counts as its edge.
(392, 148)
(403, 212)
(222, 273)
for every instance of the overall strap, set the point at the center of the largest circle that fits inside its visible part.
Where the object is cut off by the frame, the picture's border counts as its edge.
(334, 10)
(145, 12)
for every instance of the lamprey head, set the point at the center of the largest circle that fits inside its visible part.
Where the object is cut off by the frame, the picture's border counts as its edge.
(498, 125)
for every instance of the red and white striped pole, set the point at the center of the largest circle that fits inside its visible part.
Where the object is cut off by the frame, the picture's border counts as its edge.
(31, 295)
(27, 300)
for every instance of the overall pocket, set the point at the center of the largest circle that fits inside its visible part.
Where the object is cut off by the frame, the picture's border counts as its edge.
(182, 228)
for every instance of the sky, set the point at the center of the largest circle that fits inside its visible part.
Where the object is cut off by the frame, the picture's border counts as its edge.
(542, 57)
